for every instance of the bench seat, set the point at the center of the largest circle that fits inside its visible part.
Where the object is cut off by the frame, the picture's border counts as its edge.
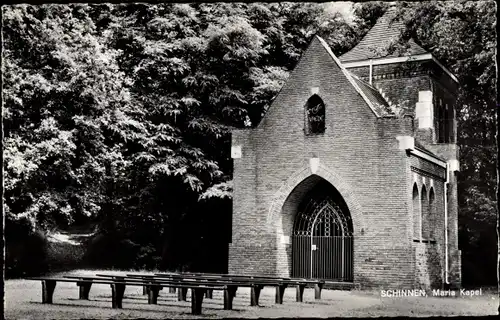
(118, 289)
(256, 284)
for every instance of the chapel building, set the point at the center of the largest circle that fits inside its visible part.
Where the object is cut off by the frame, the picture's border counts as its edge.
(351, 174)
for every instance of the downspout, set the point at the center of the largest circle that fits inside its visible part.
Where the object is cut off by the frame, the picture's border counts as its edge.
(446, 183)
(371, 71)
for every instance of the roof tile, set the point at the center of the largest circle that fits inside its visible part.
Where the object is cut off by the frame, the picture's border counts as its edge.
(384, 32)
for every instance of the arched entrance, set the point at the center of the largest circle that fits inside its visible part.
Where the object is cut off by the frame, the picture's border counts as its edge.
(322, 239)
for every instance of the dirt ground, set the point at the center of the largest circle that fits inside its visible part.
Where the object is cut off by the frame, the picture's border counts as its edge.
(23, 301)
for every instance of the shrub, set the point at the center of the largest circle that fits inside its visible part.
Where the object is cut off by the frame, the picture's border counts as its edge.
(63, 256)
(25, 252)
(112, 250)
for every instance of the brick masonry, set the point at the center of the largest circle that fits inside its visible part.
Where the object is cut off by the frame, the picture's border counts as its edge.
(360, 158)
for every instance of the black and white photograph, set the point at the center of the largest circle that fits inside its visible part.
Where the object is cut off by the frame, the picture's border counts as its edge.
(185, 160)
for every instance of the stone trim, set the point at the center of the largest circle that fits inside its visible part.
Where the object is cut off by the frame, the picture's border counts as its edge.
(427, 174)
(420, 57)
(378, 61)
(355, 209)
(429, 157)
(399, 75)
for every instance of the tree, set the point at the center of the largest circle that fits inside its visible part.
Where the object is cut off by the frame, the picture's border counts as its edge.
(62, 94)
(60, 88)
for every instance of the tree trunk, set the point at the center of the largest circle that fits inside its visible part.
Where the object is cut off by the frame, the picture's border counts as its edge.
(498, 233)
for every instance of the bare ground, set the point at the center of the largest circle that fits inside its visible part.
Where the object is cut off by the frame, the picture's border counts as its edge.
(23, 301)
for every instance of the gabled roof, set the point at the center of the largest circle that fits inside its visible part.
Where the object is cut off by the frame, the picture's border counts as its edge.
(379, 103)
(383, 32)
(372, 97)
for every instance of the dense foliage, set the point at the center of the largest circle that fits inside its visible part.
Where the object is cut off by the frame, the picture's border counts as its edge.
(121, 114)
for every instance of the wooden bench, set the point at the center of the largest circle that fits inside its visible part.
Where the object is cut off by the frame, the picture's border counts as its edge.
(155, 284)
(118, 289)
(145, 289)
(229, 294)
(299, 282)
(254, 282)
(230, 287)
(339, 285)
(180, 294)
(85, 286)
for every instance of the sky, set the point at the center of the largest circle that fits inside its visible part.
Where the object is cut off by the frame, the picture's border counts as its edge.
(344, 7)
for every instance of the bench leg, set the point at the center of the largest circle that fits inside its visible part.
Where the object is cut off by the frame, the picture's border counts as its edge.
(179, 294)
(84, 290)
(280, 291)
(254, 295)
(197, 300)
(209, 294)
(48, 287)
(300, 292)
(182, 294)
(229, 293)
(117, 291)
(317, 291)
(153, 294)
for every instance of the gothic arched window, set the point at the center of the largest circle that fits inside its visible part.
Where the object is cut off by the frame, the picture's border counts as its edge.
(416, 214)
(315, 115)
(445, 122)
(425, 214)
(432, 213)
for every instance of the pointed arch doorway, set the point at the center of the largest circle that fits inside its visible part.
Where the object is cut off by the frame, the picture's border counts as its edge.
(322, 238)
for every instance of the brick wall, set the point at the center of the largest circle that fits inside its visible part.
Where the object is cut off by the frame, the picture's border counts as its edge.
(399, 82)
(428, 265)
(455, 262)
(429, 256)
(449, 151)
(360, 158)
